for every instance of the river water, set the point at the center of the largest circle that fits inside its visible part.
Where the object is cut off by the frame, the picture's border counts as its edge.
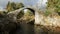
(30, 29)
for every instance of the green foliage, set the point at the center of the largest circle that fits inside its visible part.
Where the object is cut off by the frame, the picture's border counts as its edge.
(55, 4)
(19, 5)
(11, 6)
(47, 13)
(20, 14)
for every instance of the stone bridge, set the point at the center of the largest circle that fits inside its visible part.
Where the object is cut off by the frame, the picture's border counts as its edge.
(16, 12)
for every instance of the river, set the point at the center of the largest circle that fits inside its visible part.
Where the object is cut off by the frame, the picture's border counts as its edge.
(29, 29)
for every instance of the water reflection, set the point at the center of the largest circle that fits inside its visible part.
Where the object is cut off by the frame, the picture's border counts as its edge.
(31, 29)
(25, 29)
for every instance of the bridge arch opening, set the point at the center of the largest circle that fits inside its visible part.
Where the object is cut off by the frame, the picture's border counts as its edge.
(21, 13)
(32, 10)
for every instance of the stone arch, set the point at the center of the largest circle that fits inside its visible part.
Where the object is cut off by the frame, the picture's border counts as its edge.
(16, 12)
(19, 10)
(32, 10)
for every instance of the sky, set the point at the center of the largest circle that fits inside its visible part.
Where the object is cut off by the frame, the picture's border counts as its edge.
(39, 3)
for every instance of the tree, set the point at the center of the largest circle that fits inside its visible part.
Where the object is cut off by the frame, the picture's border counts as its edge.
(54, 5)
(19, 5)
(11, 6)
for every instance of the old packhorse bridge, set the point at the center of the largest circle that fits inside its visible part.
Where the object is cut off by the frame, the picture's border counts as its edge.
(16, 12)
